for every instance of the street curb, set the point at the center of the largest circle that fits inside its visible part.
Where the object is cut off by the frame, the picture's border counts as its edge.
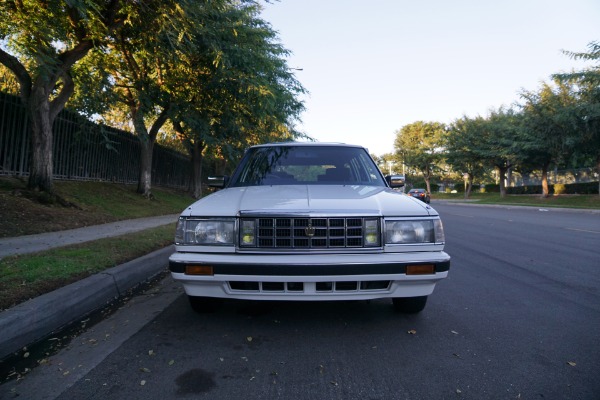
(516, 206)
(34, 319)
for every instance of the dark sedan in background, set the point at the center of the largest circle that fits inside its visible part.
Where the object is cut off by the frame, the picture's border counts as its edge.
(420, 194)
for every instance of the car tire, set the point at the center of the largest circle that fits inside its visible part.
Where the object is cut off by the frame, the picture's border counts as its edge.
(204, 305)
(409, 305)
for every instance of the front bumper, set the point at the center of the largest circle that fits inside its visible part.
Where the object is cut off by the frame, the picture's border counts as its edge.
(309, 276)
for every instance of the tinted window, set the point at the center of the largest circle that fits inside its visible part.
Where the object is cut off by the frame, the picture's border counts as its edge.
(298, 165)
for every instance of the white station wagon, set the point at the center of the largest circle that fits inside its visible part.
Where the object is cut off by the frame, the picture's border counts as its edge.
(309, 221)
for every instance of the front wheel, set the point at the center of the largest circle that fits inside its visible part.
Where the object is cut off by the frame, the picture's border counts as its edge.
(409, 305)
(204, 305)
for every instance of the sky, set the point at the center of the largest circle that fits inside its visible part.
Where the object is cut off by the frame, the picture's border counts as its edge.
(372, 67)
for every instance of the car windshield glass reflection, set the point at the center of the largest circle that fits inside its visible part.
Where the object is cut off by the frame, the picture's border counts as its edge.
(300, 165)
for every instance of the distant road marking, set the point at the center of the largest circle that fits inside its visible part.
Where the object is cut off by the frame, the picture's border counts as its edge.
(581, 230)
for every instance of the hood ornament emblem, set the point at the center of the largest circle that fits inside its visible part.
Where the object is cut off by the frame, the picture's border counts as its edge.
(310, 230)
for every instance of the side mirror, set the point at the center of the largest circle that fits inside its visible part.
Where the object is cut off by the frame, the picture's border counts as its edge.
(218, 182)
(395, 181)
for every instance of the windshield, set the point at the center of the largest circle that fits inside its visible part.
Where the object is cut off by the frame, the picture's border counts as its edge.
(301, 165)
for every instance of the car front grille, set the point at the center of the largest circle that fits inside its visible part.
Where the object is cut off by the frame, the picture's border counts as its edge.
(310, 233)
(302, 287)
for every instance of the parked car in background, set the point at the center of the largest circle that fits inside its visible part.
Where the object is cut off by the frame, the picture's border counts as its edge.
(305, 222)
(420, 194)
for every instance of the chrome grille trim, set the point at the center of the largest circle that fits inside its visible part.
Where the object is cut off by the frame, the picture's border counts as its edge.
(309, 233)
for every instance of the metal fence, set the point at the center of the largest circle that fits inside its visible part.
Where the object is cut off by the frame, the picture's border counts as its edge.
(84, 150)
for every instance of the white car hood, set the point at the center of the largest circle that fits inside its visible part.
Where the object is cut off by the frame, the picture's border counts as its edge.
(309, 199)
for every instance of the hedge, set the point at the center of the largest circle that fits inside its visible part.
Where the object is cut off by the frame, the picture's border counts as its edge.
(571, 188)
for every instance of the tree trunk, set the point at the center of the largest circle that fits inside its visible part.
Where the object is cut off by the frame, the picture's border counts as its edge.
(145, 178)
(469, 186)
(545, 191)
(196, 189)
(41, 168)
(502, 176)
(147, 139)
(598, 170)
(427, 177)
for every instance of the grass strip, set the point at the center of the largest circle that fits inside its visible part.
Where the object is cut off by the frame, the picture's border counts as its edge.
(565, 201)
(30, 275)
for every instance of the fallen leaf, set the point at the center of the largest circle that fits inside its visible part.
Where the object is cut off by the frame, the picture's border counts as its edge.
(249, 338)
(458, 391)
(454, 332)
(412, 332)
(26, 355)
(151, 352)
(142, 383)
(171, 362)
(572, 363)
(144, 370)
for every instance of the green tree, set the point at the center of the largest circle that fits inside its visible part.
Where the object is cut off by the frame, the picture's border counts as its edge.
(477, 145)
(420, 146)
(463, 149)
(247, 97)
(550, 132)
(136, 66)
(587, 89)
(41, 42)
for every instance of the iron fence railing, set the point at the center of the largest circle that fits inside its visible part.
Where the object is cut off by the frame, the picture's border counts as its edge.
(85, 150)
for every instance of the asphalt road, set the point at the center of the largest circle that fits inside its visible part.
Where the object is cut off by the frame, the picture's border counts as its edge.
(518, 318)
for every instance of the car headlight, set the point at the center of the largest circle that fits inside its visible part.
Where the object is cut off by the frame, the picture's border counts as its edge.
(414, 231)
(205, 232)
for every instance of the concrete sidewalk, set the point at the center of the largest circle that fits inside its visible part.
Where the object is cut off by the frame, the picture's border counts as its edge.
(32, 320)
(45, 241)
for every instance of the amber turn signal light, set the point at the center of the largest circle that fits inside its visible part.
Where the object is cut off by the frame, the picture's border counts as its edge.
(198, 270)
(421, 269)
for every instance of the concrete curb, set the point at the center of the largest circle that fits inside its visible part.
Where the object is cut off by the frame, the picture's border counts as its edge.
(31, 321)
(468, 203)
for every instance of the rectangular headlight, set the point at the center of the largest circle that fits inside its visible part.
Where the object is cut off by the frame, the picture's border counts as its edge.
(413, 231)
(208, 232)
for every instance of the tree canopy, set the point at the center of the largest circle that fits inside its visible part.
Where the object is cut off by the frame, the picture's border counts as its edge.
(420, 146)
(555, 125)
(215, 69)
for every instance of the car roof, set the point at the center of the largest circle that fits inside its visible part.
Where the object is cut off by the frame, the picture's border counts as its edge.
(307, 144)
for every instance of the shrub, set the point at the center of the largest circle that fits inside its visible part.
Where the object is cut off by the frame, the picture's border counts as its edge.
(560, 188)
